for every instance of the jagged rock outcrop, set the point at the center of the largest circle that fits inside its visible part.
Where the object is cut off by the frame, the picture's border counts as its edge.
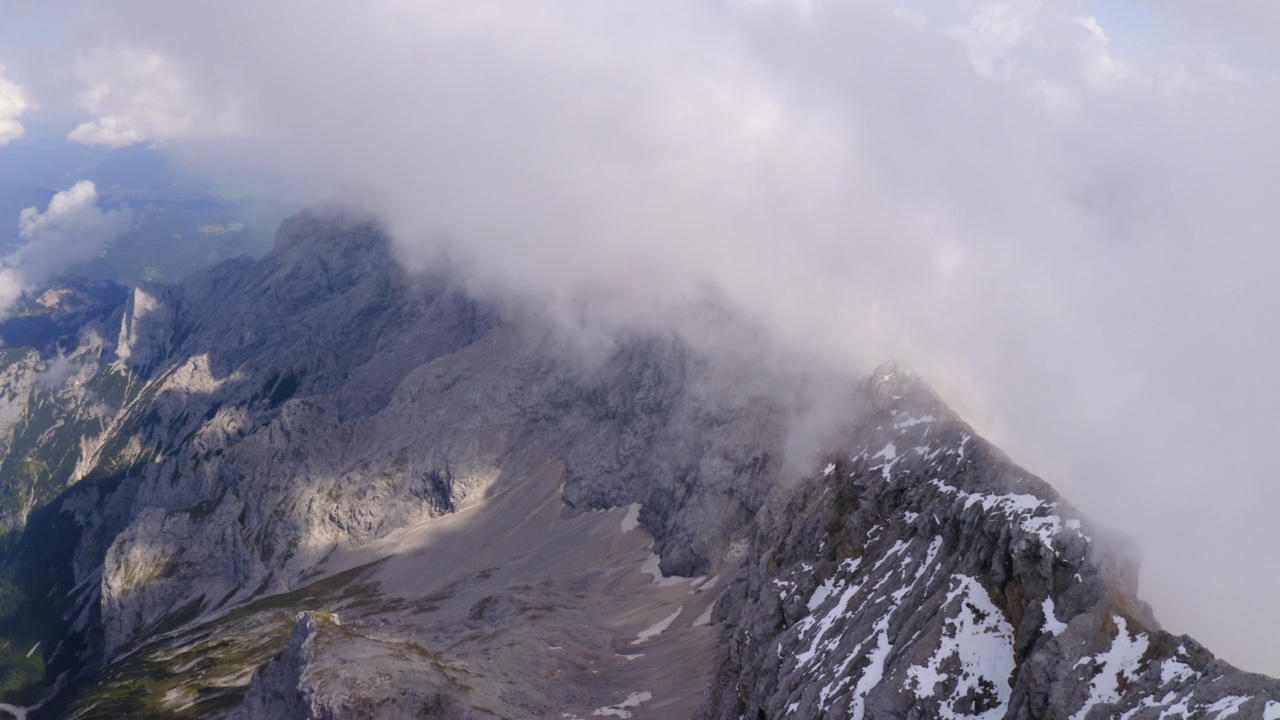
(273, 412)
(281, 688)
(305, 682)
(233, 463)
(146, 327)
(320, 398)
(923, 575)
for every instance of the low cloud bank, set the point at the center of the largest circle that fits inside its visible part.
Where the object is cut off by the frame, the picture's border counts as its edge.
(72, 230)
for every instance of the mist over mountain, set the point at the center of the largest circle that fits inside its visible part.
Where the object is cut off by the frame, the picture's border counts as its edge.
(643, 255)
(314, 485)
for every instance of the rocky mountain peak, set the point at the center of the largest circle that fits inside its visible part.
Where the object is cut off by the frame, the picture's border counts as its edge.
(893, 387)
(280, 442)
(922, 574)
(332, 233)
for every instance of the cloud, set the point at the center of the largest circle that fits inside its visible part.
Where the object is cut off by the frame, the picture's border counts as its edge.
(1070, 233)
(71, 230)
(13, 103)
(136, 96)
(57, 370)
(110, 131)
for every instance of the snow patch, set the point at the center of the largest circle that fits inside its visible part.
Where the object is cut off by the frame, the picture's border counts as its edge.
(890, 454)
(980, 638)
(652, 567)
(631, 520)
(873, 673)
(1052, 624)
(785, 588)
(1173, 671)
(932, 554)
(1122, 660)
(864, 665)
(705, 617)
(1032, 514)
(912, 422)
(657, 628)
(620, 710)
(1007, 504)
(828, 620)
(1227, 706)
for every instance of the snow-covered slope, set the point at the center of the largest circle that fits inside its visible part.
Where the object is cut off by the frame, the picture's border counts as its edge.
(314, 486)
(921, 574)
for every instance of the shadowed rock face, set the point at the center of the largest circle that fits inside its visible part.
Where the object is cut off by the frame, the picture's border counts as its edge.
(268, 414)
(315, 486)
(319, 399)
(923, 575)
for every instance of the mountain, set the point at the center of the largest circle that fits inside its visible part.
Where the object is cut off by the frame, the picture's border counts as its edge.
(315, 486)
(922, 574)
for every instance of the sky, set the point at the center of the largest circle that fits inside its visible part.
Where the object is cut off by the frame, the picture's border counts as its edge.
(1060, 213)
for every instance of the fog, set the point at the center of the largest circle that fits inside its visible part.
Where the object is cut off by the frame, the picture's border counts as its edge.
(1059, 213)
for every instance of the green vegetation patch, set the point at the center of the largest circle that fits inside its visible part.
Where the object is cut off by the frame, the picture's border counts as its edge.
(204, 670)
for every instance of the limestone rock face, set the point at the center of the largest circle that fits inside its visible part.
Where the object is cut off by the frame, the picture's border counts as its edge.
(313, 485)
(267, 414)
(320, 399)
(921, 574)
(146, 327)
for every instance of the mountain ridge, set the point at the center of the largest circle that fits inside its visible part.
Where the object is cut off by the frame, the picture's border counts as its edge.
(314, 458)
(926, 490)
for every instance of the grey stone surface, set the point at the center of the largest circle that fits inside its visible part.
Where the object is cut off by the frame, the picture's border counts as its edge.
(309, 681)
(923, 575)
(314, 486)
(283, 410)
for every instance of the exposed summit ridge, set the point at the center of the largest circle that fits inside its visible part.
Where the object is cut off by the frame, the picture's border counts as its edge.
(923, 574)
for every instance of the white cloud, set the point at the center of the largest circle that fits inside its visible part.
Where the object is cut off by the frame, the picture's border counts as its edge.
(135, 96)
(13, 103)
(110, 131)
(1074, 237)
(11, 288)
(994, 31)
(71, 230)
(1104, 70)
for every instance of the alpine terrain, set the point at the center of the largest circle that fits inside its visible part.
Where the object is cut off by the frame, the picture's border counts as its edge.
(313, 485)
